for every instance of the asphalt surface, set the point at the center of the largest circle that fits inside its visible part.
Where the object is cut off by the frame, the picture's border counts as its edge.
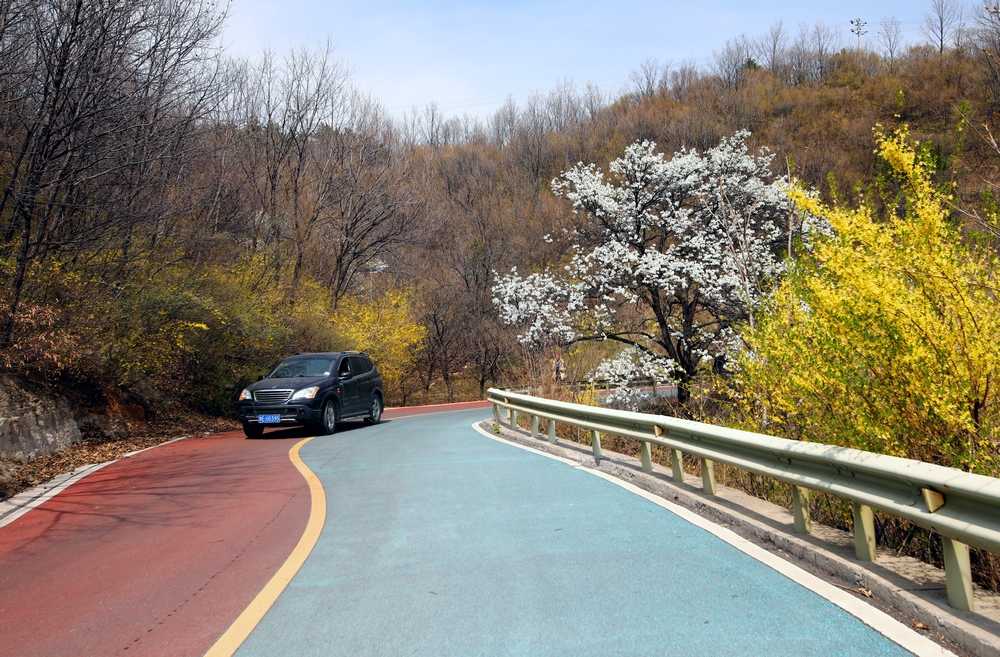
(440, 541)
(152, 555)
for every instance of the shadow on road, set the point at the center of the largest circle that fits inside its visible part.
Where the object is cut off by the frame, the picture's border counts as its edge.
(305, 432)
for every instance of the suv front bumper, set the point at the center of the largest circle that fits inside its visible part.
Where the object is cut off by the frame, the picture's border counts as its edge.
(290, 414)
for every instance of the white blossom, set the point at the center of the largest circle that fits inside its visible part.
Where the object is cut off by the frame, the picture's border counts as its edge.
(688, 245)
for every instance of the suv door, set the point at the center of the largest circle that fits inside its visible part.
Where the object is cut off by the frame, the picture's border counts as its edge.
(349, 397)
(366, 383)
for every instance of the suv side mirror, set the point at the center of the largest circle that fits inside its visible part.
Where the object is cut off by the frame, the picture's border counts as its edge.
(346, 375)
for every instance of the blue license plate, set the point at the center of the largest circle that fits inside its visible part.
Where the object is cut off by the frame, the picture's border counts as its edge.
(269, 419)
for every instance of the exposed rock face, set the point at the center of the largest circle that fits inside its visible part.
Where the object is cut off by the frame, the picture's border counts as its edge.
(34, 420)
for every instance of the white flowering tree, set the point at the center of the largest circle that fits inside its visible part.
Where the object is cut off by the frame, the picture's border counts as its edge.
(667, 255)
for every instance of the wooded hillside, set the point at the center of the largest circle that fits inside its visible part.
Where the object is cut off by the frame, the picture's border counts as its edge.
(174, 221)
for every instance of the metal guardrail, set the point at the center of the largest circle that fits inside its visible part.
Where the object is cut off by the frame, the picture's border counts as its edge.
(963, 508)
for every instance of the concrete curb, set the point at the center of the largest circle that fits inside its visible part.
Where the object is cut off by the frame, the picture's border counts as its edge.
(914, 588)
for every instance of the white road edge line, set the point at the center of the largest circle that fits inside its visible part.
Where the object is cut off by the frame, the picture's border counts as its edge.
(878, 620)
(13, 508)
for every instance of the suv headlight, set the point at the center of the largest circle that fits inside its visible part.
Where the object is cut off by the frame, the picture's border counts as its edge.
(246, 394)
(306, 393)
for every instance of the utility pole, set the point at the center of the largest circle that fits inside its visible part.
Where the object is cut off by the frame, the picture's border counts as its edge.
(858, 29)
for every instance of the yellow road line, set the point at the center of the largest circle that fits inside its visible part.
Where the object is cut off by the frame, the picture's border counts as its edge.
(244, 624)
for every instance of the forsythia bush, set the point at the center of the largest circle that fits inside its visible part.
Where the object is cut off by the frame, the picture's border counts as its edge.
(381, 327)
(886, 338)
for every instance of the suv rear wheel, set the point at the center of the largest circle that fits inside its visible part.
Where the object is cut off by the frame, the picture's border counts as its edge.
(375, 412)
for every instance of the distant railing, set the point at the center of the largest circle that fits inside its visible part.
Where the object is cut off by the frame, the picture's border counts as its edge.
(963, 508)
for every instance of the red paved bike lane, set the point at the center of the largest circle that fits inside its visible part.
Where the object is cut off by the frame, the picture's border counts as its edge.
(155, 554)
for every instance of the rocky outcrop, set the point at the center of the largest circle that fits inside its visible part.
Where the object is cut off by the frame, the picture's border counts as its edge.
(34, 420)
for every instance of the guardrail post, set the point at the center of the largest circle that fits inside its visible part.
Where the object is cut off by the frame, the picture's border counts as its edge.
(552, 431)
(957, 574)
(707, 477)
(677, 465)
(645, 450)
(513, 419)
(864, 532)
(595, 442)
(534, 426)
(496, 414)
(800, 509)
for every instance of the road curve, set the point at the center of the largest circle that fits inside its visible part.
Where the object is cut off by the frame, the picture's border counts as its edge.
(440, 541)
(157, 554)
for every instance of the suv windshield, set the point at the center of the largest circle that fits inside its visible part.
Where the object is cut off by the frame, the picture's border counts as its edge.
(294, 367)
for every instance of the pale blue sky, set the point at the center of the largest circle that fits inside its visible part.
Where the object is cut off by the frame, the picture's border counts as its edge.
(467, 56)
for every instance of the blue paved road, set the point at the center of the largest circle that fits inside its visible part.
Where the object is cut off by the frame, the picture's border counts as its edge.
(440, 541)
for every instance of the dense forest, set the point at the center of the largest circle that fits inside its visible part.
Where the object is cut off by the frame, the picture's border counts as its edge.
(176, 220)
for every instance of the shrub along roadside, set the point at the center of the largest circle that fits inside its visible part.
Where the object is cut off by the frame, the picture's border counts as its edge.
(882, 339)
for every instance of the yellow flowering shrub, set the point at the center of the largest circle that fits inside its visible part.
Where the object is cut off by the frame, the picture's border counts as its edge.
(887, 337)
(381, 326)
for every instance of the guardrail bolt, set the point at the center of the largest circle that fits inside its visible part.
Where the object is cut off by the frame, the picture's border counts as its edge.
(647, 456)
(800, 509)
(707, 477)
(958, 574)
(595, 441)
(864, 532)
(534, 426)
(552, 431)
(677, 465)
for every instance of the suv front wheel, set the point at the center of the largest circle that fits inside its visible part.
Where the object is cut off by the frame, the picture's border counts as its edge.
(253, 430)
(328, 420)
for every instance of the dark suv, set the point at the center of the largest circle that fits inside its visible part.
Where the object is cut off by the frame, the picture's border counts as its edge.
(313, 390)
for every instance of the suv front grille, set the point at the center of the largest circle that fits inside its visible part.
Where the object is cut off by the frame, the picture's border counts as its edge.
(272, 396)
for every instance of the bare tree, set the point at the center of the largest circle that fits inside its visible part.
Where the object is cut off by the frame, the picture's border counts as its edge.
(942, 23)
(771, 48)
(825, 42)
(682, 79)
(890, 40)
(101, 99)
(503, 124)
(647, 80)
(732, 62)
(593, 101)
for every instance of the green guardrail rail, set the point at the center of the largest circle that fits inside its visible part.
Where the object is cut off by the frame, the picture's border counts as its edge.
(963, 508)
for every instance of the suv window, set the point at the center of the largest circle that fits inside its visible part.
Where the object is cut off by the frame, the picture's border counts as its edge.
(358, 365)
(345, 365)
(369, 366)
(294, 367)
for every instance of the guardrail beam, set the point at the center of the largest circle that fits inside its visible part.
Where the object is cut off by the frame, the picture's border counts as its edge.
(864, 532)
(646, 452)
(958, 574)
(595, 443)
(552, 431)
(958, 504)
(800, 510)
(677, 465)
(708, 476)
